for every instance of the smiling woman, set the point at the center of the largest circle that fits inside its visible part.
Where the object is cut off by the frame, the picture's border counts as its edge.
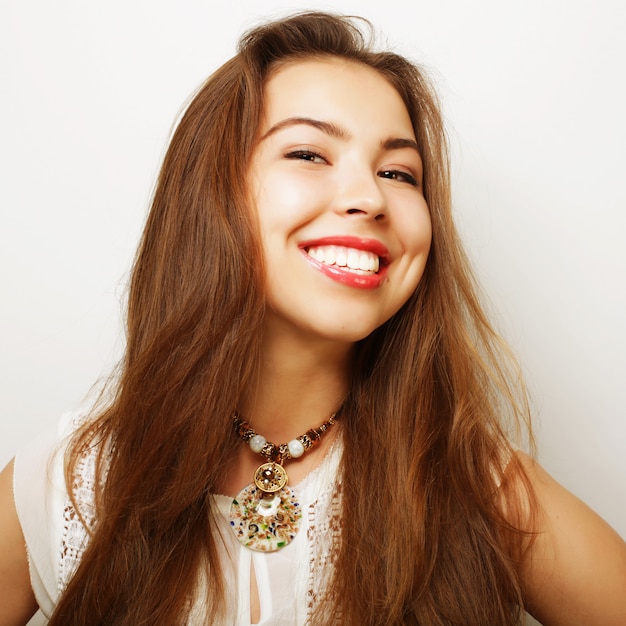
(336, 185)
(310, 424)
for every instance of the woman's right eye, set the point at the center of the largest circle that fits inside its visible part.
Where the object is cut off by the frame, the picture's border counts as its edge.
(306, 155)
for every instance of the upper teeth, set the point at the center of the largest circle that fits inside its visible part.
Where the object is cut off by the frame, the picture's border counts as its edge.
(345, 257)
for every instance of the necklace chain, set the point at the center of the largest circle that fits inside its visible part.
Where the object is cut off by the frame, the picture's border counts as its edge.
(285, 451)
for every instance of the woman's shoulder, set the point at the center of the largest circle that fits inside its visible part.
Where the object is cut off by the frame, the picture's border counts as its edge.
(574, 570)
(16, 596)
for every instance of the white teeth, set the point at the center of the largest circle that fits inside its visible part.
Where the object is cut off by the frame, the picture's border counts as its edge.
(354, 259)
(345, 257)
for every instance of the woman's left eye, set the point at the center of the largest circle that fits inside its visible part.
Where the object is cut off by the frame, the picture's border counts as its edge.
(306, 155)
(399, 175)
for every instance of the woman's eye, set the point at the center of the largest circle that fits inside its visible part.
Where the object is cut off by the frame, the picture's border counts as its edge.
(306, 155)
(398, 175)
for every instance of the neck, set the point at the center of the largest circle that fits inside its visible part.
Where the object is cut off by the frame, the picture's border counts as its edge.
(298, 387)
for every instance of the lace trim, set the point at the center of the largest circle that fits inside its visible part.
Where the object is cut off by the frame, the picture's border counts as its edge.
(323, 536)
(75, 535)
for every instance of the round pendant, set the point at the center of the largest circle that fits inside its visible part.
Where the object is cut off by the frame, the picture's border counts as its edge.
(270, 477)
(263, 521)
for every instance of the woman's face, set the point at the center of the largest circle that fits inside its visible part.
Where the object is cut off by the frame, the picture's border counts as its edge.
(336, 184)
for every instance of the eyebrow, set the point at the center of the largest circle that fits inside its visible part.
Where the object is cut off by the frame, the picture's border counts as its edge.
(394, 143)
(326, 127)
(398, 143)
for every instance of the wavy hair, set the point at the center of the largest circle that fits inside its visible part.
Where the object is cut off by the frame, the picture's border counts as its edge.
(424, 424)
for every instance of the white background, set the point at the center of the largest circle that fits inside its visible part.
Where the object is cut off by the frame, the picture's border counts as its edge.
(535, 101)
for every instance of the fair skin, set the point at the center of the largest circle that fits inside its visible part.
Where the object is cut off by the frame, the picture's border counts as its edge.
(16, 596)
(335, 169)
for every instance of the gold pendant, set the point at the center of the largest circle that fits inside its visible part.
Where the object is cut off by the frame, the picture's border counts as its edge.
(270, 477)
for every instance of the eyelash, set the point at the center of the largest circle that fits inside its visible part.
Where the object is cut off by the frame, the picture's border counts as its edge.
(310, 156)
(398, 175)
(305, 155)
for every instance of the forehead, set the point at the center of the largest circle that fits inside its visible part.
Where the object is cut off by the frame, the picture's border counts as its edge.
(337, 90)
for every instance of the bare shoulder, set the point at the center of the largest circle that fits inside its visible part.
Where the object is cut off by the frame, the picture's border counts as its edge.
(574, 573)
(16, 596)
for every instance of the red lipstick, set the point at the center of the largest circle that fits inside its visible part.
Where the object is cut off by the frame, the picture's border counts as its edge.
(345, 275)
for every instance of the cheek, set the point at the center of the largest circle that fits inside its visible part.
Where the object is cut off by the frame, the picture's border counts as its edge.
(417, 243)
(286, 200)
(426, 236)
(417, 233)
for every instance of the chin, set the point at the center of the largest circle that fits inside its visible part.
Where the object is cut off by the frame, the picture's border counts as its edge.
(347, 334)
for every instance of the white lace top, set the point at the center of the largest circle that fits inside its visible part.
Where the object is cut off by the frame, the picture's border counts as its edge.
(288, 581)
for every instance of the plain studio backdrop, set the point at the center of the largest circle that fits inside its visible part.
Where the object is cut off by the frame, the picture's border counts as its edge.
(534, 97)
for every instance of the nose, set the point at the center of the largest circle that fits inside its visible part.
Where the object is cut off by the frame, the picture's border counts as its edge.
(360, 195)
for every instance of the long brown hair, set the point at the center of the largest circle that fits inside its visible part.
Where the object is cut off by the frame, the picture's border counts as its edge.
(423, 539)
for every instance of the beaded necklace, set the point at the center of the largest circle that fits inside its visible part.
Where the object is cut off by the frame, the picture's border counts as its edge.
(265, 516)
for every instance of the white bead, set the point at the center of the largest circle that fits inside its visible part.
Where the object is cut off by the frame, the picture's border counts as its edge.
(296, 449)
(257, 442)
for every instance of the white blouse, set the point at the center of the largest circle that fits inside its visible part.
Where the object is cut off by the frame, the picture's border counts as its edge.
(288, 580)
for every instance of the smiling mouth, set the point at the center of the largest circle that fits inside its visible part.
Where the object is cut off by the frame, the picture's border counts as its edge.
(359, 261)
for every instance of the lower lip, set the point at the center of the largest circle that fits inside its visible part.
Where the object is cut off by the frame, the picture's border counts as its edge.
(348, 278)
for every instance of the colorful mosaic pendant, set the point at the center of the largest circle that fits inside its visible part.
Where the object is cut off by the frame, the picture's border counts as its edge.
(265, 521)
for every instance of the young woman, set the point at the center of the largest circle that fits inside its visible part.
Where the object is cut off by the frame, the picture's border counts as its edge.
(300, 281)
